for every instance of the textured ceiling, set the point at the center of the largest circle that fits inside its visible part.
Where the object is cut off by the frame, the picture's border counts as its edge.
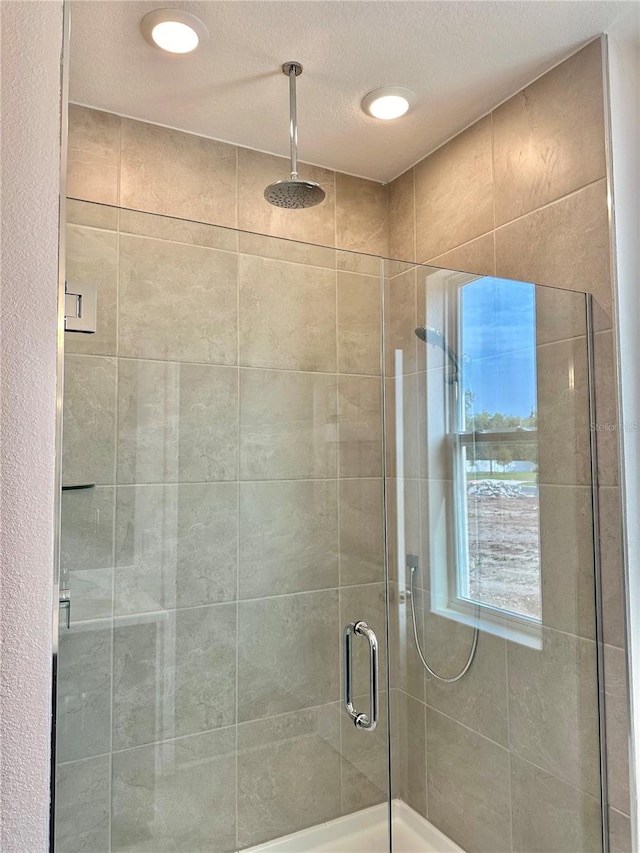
(460, 59)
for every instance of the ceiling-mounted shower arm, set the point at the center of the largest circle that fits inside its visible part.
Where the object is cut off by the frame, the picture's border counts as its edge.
(292, 193)
(293, 70)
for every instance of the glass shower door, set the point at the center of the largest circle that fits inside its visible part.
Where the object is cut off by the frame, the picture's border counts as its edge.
(492, 565)
(224, 421)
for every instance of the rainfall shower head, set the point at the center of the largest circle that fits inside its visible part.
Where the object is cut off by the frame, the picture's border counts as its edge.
(293, 193)
(432, 336)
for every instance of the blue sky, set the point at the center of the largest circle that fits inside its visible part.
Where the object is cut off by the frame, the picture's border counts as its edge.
(499, 345)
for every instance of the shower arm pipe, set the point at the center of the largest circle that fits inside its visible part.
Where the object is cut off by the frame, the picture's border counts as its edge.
(292, 69)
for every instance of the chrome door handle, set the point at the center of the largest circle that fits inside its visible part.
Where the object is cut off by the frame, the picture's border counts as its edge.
(362, 721)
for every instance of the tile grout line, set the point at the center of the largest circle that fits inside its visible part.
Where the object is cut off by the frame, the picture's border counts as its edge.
(504, 748)
(435, 259)
(566, 196)
(179, 738)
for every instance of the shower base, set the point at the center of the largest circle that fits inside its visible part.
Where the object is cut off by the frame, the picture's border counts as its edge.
(366, 832)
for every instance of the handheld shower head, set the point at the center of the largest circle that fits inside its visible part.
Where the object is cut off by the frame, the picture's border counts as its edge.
(432, 336)
(293, 193)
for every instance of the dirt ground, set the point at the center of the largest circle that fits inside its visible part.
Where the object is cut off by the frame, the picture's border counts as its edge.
(504, 553)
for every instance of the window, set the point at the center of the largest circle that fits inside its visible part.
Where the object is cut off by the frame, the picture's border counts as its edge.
(483, 513)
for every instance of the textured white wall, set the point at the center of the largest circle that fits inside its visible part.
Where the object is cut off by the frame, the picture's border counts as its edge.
(29, 173)
(624, 73)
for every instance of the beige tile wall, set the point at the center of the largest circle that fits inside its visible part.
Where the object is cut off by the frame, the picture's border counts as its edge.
(210, 490)
(523, 194)
(229, 412)
(527, 718)
(132, 164)
(520, 194)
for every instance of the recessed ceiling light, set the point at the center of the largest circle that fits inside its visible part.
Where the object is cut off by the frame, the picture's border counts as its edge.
(388, 102)
(173, 30)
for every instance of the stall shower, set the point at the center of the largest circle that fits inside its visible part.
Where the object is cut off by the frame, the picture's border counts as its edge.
(330, 563)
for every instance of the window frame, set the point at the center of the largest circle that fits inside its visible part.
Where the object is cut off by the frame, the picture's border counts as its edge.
(449, 566)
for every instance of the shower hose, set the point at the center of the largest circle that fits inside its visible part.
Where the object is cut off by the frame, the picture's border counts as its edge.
(472, 653)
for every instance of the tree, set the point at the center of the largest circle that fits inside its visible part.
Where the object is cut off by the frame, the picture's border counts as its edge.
(505, 451)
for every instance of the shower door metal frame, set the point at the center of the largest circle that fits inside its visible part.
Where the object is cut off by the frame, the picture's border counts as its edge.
(57, 521)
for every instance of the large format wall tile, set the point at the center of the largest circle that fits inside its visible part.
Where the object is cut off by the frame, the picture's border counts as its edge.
(361, 514)
(83, 805)
(479, 700)
(550, 815)
(411, 675)
(177, 174)
(553, 707)
(84, 687)
(86, 529)
(359, 426)
(185, 231)
(287, 315)
(619, 832)
(92, 215)
(359, 333)
(611, 565)
(176, 422)
(400, 319)
(292, 251)
(411, 760)
(560, 315)
(176, 546)
(91, 595)
(565, 245)
(205, 667)
(356, 262)
(564, 439)
(454, 194)
(287, 653)
(477, 256)
(93, 156)
(255, 172)
(176, 797)
(467, 786)
(288, 537)
(364, 764)
(402, 243)
(607, 410)
(288, 773)
(174, 674)
(177, 302)
(289, 432)
(549, 139)
(92, 258)
(89, 419)
(566, 559)
(361, 215)
(617, 728)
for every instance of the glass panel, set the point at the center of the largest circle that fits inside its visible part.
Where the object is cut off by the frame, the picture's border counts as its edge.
(497, 443)
(491, 564)
(226, 420)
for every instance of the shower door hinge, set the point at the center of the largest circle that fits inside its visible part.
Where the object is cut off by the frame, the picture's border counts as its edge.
(80, 307)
